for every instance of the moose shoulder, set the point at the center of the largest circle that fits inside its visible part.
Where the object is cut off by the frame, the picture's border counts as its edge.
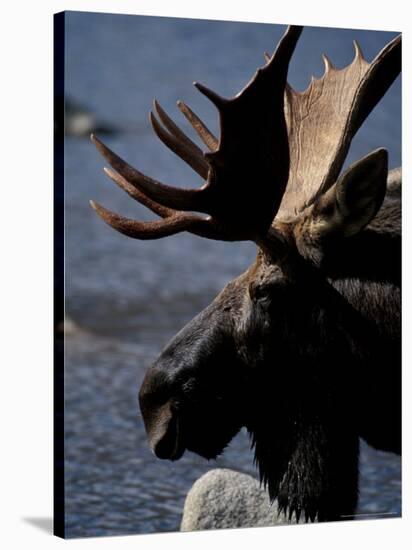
(303, 349)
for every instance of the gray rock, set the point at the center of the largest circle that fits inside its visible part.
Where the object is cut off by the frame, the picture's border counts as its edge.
(224, 499)
(67, 327)
(81, 122)
(394, 183)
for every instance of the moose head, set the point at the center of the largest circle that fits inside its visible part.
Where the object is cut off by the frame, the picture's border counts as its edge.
(283, 349)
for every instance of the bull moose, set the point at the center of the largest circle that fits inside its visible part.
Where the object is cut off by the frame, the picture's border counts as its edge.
(303, 349)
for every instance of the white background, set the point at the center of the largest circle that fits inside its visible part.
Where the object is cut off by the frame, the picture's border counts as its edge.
(26, 271)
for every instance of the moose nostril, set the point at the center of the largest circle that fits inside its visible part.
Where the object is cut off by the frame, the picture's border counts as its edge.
(164, 443)
(163, 448)
(168, 444)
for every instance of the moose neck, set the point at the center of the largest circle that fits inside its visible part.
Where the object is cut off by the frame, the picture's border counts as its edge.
(311, 410)
(303, 431)
(302, 465)
(301, 426)
(370, 278)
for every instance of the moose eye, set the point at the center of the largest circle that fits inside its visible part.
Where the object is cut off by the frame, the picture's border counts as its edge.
(258, 293)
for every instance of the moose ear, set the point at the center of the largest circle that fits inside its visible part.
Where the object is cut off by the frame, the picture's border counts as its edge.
(354, 200)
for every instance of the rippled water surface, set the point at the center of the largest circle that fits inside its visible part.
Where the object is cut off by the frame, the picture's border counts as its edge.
(127, 298)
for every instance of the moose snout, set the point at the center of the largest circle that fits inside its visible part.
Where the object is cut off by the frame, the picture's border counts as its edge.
(162, 424)
(164, 434)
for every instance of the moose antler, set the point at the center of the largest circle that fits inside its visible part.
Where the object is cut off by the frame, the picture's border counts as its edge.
(289, 146)
(323, 120)
(252, 150)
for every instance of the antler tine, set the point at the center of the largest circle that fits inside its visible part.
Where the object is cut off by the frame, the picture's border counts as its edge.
(328, 63)
(182, 137)
(382, 72)
(175, 130)
(203, 132)
(281, 57)
(271, 78)
(176, 223)
(218, 101)
(358, 51)
(183, 148)
(137, 195)
(165, 195)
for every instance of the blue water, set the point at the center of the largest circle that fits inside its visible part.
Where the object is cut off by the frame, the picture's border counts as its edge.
(128, 298)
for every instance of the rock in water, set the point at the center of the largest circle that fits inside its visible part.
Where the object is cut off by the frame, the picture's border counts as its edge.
(225, 499)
